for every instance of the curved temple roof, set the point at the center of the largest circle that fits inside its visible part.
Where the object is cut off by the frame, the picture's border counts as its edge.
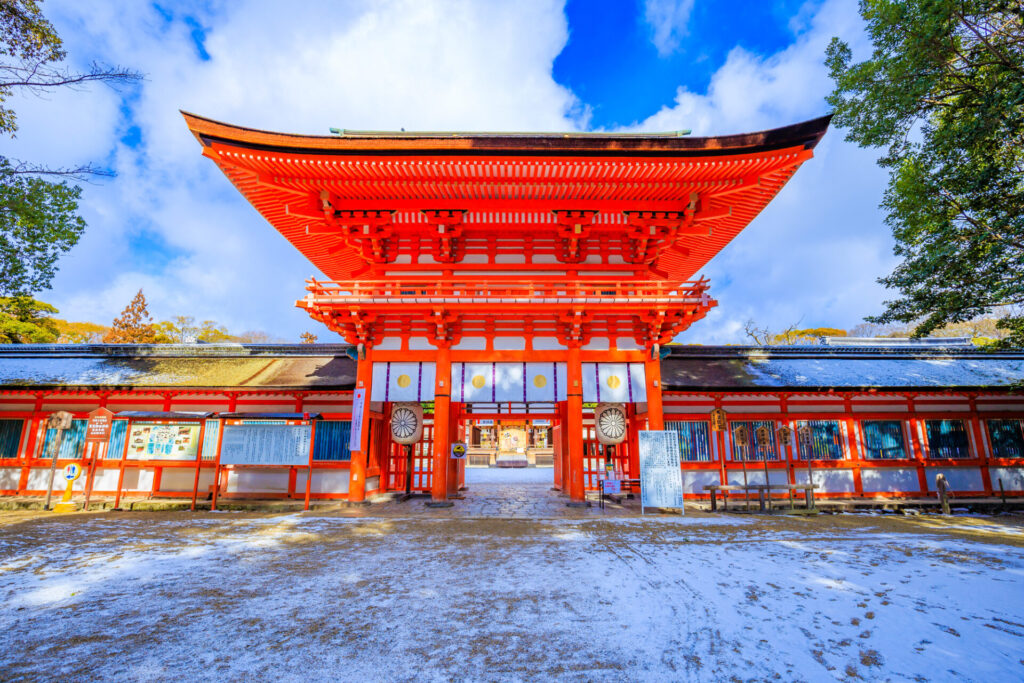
(806, 135)
(653, 205)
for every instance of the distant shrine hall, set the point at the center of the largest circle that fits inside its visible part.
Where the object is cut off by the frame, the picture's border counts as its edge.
(508, 300)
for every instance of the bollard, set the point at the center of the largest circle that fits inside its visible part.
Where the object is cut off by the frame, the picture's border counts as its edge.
(943, 490)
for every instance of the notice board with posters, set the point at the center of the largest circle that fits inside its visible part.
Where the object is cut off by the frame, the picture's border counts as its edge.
(163, 442)
(661, 476)
(266, 444)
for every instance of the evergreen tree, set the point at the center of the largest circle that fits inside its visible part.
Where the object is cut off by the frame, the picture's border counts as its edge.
(943, 94)
(134, 326)
(24, 320)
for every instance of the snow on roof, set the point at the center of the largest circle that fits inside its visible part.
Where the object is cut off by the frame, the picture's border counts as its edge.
(177, 365)
(330, 366)
(810, 367)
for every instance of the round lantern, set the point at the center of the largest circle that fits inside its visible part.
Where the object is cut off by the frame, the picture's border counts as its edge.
(406, 423)
(610, 423)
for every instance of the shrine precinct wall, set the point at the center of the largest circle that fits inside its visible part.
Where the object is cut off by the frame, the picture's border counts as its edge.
(863, 444)
(24, 467)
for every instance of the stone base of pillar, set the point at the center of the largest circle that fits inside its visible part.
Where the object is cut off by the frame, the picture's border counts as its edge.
(439, 504)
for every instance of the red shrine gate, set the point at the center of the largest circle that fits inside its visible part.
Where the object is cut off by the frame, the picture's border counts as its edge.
(471, 269)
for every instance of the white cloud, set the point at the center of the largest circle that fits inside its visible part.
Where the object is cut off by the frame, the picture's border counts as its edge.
(668, 21)
(171, 223)
(814, 254)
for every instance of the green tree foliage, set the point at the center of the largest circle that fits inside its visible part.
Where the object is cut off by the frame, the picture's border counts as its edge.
(943, 93)
(134, 325)
(23, 320)
(38, 223)
(38, 217)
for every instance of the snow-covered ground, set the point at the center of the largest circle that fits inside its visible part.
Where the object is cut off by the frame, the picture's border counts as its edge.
(292, 597)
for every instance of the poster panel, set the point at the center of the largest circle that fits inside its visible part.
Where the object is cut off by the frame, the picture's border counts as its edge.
(661, 478)
(163, 442)
(266, 444)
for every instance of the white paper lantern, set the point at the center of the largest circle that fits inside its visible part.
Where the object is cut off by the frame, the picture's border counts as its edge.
(406, 423)
(610, 423)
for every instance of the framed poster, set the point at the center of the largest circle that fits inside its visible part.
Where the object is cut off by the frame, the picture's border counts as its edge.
(163, 442)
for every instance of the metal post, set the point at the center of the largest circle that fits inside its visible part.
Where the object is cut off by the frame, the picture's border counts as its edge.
(1002, 491)
(408, 470)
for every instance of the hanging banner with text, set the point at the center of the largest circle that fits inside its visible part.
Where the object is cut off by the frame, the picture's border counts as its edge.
(661, 479)
(265, 444)
(355, 435)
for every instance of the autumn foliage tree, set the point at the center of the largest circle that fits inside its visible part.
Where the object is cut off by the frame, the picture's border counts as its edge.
(134, 325)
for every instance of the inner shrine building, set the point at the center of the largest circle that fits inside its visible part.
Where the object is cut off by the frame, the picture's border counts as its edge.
(537, 272)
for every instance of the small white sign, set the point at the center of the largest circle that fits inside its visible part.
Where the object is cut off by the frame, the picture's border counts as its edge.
(611, 486)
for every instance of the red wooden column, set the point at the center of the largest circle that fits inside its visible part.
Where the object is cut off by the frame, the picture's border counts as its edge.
(655, 414)
(357, 466)
(574, 427)
(442, 420)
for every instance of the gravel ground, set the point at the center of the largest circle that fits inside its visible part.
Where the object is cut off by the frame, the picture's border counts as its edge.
(147, 596)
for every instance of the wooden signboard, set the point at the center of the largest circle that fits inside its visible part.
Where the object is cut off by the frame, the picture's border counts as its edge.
(719, 420)
(101, 421)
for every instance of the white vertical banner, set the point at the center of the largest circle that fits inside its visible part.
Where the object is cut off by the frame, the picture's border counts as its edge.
(355, 438)
(661, 476)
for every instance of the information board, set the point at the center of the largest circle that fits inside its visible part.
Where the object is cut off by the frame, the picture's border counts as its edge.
(661, 479)
(163, 442)
(265, 444)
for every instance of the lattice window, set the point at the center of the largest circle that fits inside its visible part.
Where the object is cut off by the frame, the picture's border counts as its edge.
(825, 442)
(694, 440)
(331, 440)
(10, 437)
(755, 451)
(883, 440)
(947, 439)
(71, 445)
(1007, 438)
(118, 433)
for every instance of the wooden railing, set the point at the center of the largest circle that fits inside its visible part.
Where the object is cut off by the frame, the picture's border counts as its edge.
(596, 291)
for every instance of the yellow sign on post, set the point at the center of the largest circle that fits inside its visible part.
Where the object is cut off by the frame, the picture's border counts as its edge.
(71, 473)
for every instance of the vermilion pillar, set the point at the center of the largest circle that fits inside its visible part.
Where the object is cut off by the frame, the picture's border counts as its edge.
(655, 414)
(442, 419)
(574, 427)
(357, 466)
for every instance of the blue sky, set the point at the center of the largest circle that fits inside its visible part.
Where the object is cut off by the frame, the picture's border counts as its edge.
(172, 224)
